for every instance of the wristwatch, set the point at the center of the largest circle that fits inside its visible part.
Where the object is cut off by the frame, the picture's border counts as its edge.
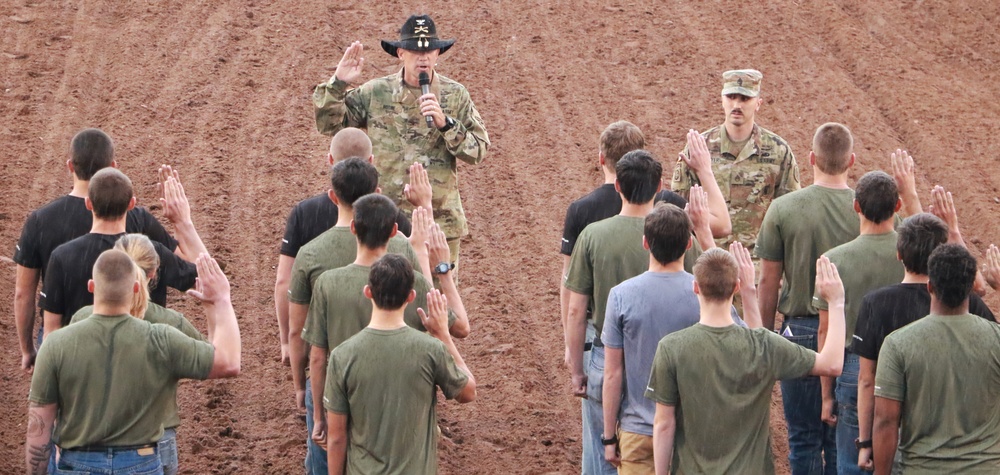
(612, 441)
(862, 444)
(443, 268)
(448, 124)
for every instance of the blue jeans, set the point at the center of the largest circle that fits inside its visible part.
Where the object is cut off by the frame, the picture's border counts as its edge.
(167, 447)
(315, 455)
(593, 414)
(109, 462)
(812, 445)
(847, 417)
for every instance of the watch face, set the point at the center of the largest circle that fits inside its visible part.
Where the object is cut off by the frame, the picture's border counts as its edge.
(442, 268)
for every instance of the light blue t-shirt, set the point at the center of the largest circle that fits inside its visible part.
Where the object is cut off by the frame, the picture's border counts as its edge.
(640, 312)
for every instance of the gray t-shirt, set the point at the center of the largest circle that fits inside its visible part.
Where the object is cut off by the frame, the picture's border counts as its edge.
(641, 311)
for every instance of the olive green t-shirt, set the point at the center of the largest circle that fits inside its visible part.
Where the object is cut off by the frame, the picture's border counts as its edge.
(798, 228)
(608, 253)
(339, 308)
(720, 381)
(864, 264)
(945, 371)
(335, 248)
(105, 374)
(157, 314)
(386, 382)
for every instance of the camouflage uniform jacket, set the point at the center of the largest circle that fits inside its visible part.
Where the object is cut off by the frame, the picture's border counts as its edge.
(388, 109)
(749, 178)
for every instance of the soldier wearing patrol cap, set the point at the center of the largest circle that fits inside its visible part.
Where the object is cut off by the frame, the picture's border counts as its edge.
(393, 110)
(752, 165)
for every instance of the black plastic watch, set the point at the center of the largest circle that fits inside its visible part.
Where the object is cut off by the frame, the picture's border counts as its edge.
(862, 444)
(448, 124)
(612, 441)
(443, 268)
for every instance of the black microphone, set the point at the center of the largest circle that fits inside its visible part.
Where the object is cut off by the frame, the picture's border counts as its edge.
(425, 88)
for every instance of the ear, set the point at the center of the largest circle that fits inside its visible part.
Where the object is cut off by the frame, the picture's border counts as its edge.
(690, 243)
(600, 158)
(69, 165)
(851, 162)
(857, 207)
(659, 186)
(930, 289)
(736, 288)
(645, 243)
(333, 197)
(812, 158)
(90, 286)
(88, 203)
(411, 296)
(371, 158)
(131, 204)
(329, 159)
(378, 189)
(367, 291)
(899, 257)
(395, 229)
(760, 101)
(114, 163)
(899, 205)
(353, 231)
(136, 287)
(618, 186)
(697, 290)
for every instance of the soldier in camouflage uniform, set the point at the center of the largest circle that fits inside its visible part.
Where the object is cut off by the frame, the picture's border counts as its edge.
(752, 165)
(435, 129)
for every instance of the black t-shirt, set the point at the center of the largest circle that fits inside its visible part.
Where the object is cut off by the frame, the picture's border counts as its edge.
(67, 218)
(888, 309)
(314, 216)
(602, 203)
(71, 266)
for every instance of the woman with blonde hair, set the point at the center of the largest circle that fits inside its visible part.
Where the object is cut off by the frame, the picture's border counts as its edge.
(140, 248)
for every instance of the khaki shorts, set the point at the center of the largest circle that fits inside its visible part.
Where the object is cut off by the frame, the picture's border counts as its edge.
(636, 453)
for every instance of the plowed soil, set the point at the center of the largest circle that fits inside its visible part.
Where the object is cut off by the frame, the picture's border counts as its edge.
(221, 91)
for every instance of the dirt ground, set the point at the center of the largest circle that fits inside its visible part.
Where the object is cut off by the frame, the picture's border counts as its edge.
(221, 91)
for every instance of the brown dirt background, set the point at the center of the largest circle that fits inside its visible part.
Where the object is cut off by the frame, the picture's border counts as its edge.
(221, 91)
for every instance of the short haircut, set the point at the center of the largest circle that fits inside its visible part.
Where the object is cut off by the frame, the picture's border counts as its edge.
(638, 175)
(833, 145)
(390, 281)
(952, 271)
(374, 218)
(877, 196)
(91, 151)
(110, 193)
(919, 236)
(668, 232)
(618, 139)
(114, 275)
(353, 178)
(350, 142)
(717, 273)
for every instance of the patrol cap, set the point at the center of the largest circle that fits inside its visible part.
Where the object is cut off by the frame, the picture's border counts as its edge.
(745, 82)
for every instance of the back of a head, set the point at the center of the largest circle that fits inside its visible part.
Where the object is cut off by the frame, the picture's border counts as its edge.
(390, 281)
(952, 271)
(91, 150)
(353, 178)
(114, 276)
(142, 252)
(350, 142)
(919, 236)
(833, 145)
(618, 139)
(110, 193)
(668, 232)
(638, 175)
(374, 220)
(717, 274)
(877, 195)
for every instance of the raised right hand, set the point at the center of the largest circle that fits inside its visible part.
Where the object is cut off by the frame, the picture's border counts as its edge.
(902, 171)
(435, 319)
(828, 283)
(992, 268)
(349, 67)
(211, 286)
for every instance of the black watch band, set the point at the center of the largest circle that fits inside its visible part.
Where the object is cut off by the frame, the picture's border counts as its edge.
(862, 444)
(448, 124)
(612, 441)
(443, 268)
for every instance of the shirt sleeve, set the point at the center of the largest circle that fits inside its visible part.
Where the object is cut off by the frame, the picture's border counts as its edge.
(613, 333)
(683, 178)
(785, 359)
(978, 307)
(467, 140)
(53, 296)
(175, 272)
(147, 224)
(26, 251)
(581, 269)
(291, 241)
(44, 381)
(336, 107)
(299, 287)
(789, 179)
(890, 377)
(662, 386)
(185, 327)
(314, 331)
(185, 356)
(770, 245)
(447, 376)
(571, 230)
(82, 314)
(866, 340)
(335, 392)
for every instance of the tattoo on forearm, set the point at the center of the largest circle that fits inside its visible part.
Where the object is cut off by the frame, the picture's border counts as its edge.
(39, 461)
(35, 424)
